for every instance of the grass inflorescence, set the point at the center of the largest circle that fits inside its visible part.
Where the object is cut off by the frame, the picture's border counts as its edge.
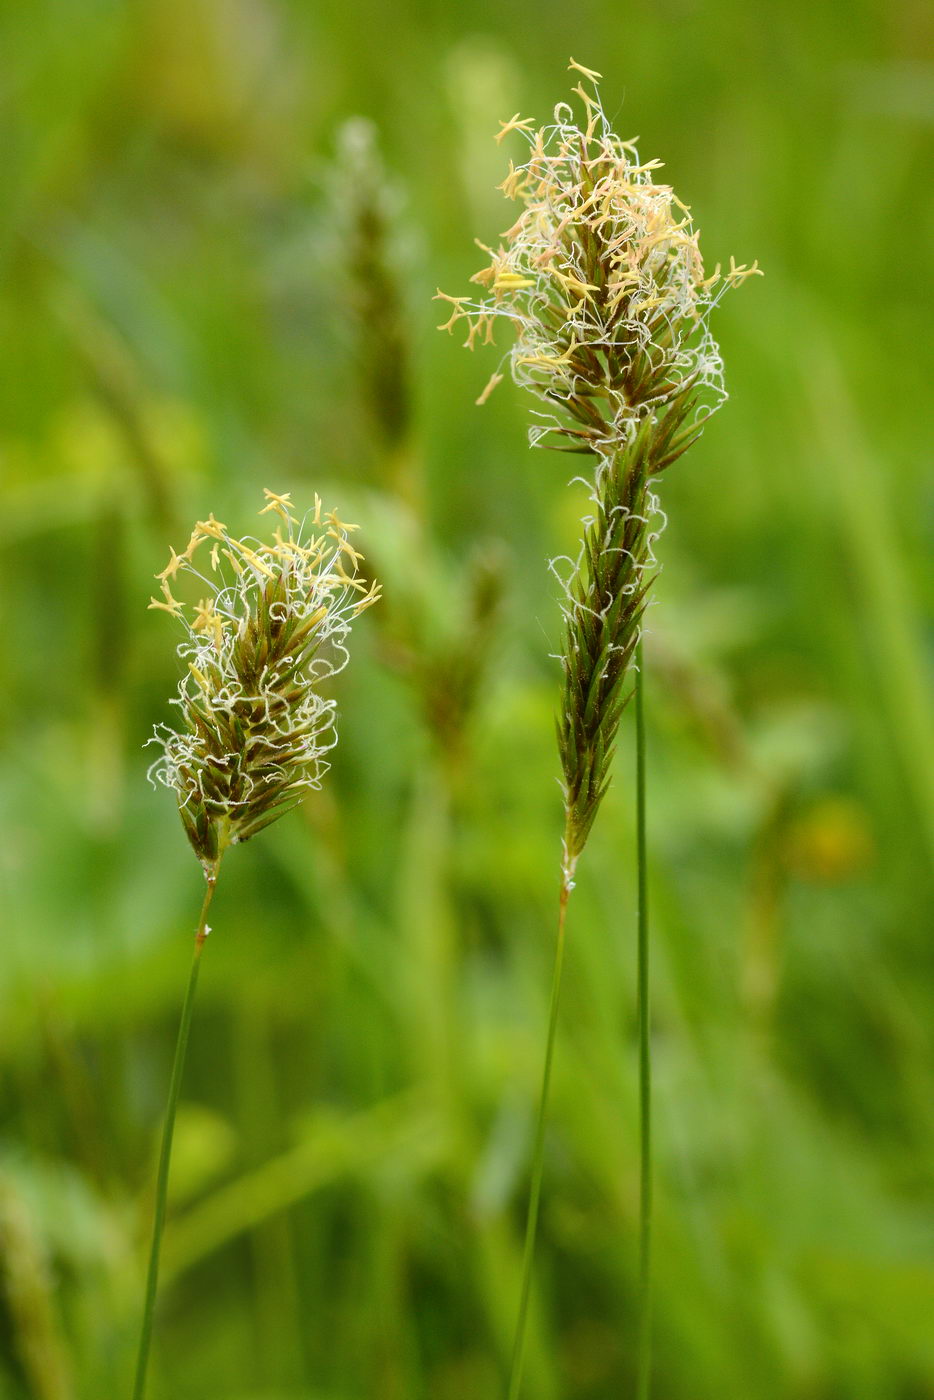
(271, 628)
(602, 282)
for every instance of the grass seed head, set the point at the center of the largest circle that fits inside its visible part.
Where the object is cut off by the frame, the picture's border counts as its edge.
(271, 626)
(373, 260)
(602, 282)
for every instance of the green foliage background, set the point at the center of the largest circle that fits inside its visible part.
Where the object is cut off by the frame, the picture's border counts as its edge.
(179, 329)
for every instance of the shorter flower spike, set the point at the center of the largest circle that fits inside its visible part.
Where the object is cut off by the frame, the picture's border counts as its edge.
(272, 626)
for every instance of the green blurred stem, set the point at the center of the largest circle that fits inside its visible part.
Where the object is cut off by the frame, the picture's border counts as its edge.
(165, 1152)
(645, 1060)
(518, 1351)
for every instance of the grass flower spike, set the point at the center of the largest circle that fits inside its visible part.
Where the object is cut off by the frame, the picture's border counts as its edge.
(270, 627)
(601, 281)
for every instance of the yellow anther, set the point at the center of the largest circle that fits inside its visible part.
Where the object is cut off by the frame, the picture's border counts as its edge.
(514, 124)
(739, 272)
(200, 677)
(202, 616)
(551, 361)
(346, 578)
(336, 523)
(648, 305)
(483, 278)
(573, 284)
(172, 567)
(513, 182)
(590, 73)
(174, 608)
(457, 303)
(370, 597)
(351, 553)
(214, 528)
(196, 537)
(518, 226)
(585, 97)
(281, 504)
(253, 559)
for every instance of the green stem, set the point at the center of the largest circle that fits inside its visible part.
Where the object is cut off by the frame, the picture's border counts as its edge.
(518, 1352)
(645, 1061)
(165, 1152)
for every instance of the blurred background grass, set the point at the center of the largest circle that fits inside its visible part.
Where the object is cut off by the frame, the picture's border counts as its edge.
(192, 309)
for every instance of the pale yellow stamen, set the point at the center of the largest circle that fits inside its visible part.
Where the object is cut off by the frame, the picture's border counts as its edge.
(573, 284)
(253, 559)
(352, 554)
(590, 73)
(211, 527)
(200, 677)
(172, 567)
(281, 504)
(509, 281)
(196, 537)
(204, 617)
(518, 226)
(513, 182)
(370, 597)
(336, 523)
(347, 578)
(456, 314)
(550, 361)
(173, 608)
(494, 380)
(514, 124)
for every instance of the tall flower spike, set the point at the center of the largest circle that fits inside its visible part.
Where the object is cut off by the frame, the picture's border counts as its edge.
(602, 282)
(271, 626)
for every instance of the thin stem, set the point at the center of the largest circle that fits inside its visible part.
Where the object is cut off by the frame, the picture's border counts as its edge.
(645, 1061)
(165, 1152)
(518, 1352)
